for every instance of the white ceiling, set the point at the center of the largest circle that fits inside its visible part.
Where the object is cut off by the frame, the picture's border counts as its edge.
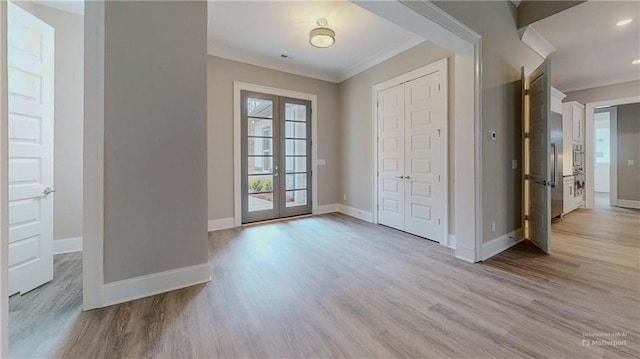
(258, 32)
(591, 50)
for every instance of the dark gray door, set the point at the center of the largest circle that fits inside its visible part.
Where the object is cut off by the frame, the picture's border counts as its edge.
(276, 157)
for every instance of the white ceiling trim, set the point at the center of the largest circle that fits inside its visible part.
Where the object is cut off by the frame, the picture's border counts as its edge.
(290, 66)
(382, 55)
(536, 41)
(583, 85)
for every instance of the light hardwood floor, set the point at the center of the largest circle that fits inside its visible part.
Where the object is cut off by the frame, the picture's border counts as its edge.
(333, 286)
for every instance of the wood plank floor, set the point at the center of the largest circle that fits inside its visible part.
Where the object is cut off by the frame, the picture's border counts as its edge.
(333, 286)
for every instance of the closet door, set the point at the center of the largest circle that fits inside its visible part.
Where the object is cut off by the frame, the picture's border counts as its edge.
(391, 183)
(424, 154)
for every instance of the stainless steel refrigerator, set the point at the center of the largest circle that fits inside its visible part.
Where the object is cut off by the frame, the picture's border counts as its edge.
(557, 184)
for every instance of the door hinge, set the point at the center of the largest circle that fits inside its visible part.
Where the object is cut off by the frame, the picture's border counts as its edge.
(438, 87)
(311, 172)
(438, 178)
(526, 92)
(439, 132)
(526, 177)
(526, 217)
(438, 221)
(526, 135)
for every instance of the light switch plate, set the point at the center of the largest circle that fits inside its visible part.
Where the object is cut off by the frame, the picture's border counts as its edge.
(322, 162)
(630, 162)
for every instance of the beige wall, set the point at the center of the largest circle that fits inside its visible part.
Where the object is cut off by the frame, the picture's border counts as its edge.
(503, 54)
(220, 77)
(356, 127)
(612, 92)
(155, 139)
(629, 149)
(69, 104)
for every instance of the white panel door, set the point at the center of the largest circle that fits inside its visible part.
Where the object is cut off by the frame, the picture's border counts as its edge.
(424, 156)
(391, 184)
(30, 74)
(539, 155)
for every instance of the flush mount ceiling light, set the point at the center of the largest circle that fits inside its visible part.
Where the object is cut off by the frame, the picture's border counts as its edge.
(322, 36)
(636, 62)
(623, 22)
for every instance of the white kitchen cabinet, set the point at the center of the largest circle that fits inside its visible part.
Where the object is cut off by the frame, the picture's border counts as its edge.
(568, 202)
(567, 144)
(575, 112)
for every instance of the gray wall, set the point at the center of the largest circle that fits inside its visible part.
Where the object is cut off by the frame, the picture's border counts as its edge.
(155, 137)
(503, 54)
(623, 90)
(221, 74)
(68, 116)
(356, 128)
(629, 149)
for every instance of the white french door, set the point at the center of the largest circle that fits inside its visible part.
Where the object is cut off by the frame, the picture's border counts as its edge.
(411, 156)
(276, 157)
(30, 74)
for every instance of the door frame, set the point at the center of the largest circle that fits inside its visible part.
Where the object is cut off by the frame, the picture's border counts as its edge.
(238, 87)
(442, 66)
(590, 142)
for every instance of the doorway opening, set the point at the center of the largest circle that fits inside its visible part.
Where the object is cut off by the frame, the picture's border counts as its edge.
(603, 119)
(276, 157)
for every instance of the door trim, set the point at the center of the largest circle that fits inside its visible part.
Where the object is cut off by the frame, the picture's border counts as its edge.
(440, 65)
(238, 87)
(589, 145)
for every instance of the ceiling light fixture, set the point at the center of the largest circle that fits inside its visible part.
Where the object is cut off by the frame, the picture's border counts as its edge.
(322, 36)
(623, 22)
(636, 62)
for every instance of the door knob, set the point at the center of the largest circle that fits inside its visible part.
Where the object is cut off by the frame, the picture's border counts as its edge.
(407, 177)
(399, 176)
(48, 191)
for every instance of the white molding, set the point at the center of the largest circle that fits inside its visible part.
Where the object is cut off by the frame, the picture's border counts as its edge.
(356, 213)
(441, 66)
(465, 252)
(156, 283)
(613, 156)
(327, 208)
(67, 245)
(590, 143)
(394, 49)
(222, 223)
(536, 41)
(451, 241)
(589, 84)
(627, 203)
(93, 157)
(4, 188)
(239, 86)
(500, 244)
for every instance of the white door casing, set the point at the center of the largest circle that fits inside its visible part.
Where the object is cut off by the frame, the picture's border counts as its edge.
(424, 156)
(391, 184)
(539, 155)
(30, 82)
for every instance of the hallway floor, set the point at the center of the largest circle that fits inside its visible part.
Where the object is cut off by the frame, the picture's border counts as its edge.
(333, 286)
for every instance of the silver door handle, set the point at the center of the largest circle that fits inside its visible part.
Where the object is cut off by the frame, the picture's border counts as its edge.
(543, 183)
(48, 191)
(399, 176)
(407, 177)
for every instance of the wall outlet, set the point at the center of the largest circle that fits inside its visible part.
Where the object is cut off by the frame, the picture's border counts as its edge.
(344, 196)
(322, 162)
(493, 226)
(514, 164)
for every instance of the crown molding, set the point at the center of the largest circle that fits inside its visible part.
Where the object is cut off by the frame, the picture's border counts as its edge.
(399, 47)
(536, 41)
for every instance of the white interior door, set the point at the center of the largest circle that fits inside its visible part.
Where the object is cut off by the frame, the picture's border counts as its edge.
(30, 81)
(539, 157)
(424, 156)
(391, 184)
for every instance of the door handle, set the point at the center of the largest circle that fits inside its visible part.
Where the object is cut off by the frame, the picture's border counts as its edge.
(399, 176)
(543, 183)
(47, 191)
(555, 165)
(407, 177)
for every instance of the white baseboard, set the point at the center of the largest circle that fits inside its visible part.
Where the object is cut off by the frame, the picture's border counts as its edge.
(222, 223)
(327, 208)
(67, 245)
(627, 203)
(500, 244)
(356, 213)
(465, 253)
(451, 241)
(152, 284)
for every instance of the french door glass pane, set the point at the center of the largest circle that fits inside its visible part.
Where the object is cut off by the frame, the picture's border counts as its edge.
(259, 184)
(296, 198)
(296, 164)
(297, 181)
(257, 107)
(260, 165)
(295, 112)
(260, 202)
(260, 127)
(258, 146)
(295, 130)
(296, 147)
